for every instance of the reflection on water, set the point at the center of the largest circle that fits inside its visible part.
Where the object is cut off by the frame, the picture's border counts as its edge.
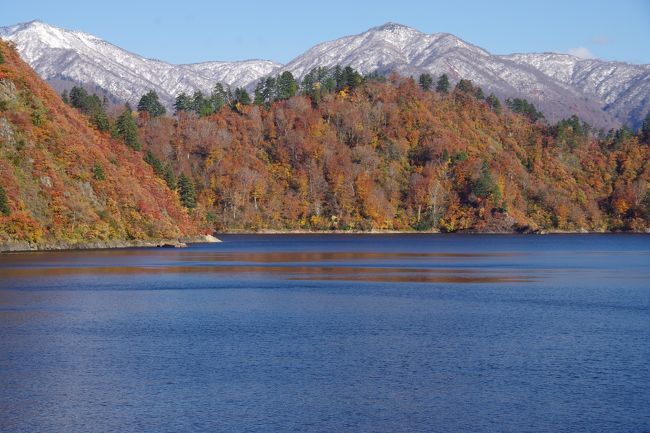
(342, 266)
(362, 265)
(314, 273)
(390, 259)
(330, 333)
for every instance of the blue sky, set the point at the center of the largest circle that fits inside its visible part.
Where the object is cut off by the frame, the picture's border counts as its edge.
(193, 31)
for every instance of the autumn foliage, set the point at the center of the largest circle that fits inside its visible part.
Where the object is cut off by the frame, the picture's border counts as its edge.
(389, 155)
(65, 181)
(377, 154)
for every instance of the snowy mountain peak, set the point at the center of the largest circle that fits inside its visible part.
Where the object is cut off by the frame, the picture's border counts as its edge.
(548, 80)
(602, 93)
(25, 25)
(392, 27)
(66, 57)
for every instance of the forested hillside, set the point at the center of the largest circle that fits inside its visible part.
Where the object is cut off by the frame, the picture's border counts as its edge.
(336, 151)
(66, 183)
(340, 151)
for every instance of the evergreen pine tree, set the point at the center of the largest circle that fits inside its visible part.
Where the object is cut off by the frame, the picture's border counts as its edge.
(478, 93)
(218, 97)
(201, 105)
(522, 106)
(270, 90)
(426, 81)
(258, 96)
(151, 104)
(485, 184)
(351, 78)
(78, 98)
(4, 202)
(97, 113)
(287, 86)
(186, 191)
(317, 82)
(645, 130)
(89, 105)
(329, 85)
(230, 98)
(126, 129)
(465, 86)
(65, 98)
(100, 120)
(622, 135)
(242, 96)
(170, 178)
(337, 75)
(442, 86)
(307, 83)
(154, 162)
(183, 103)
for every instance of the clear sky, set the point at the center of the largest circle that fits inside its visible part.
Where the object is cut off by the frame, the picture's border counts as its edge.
(186, 31)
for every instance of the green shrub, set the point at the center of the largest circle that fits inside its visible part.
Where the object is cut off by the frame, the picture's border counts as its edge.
(4, 202)
(98, 172)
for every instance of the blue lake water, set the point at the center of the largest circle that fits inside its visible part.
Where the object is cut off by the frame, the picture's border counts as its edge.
(443, 333)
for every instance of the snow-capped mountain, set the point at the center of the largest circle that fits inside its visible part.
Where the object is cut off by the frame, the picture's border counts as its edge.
(62, 56)
(624, 88)
(385, 48)
(605, 94)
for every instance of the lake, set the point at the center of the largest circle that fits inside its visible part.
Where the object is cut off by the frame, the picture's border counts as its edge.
(340, 333)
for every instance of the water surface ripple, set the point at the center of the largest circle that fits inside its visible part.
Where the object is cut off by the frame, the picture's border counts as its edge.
(389, 333)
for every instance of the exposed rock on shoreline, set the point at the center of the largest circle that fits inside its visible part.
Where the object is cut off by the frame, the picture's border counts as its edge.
(95, 245)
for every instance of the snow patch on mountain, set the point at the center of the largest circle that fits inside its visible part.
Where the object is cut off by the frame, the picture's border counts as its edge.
(624, 88)
(82, 58)
(603, 93)
(394, 47)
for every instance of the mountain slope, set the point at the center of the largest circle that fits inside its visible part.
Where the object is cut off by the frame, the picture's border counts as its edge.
(67, 184)
(394, 47)
(385, 154)
(624, 88)
(606, 94)
(58, 54)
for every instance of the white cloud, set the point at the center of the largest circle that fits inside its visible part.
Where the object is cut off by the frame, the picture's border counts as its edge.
(600, 40)
(581, 52)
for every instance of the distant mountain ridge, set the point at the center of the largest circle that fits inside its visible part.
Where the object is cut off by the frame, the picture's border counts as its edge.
(79, 57)
(603, 93)
(622, 87)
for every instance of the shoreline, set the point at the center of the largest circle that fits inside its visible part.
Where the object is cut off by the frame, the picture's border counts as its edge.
(424, 232)
(23, 246)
